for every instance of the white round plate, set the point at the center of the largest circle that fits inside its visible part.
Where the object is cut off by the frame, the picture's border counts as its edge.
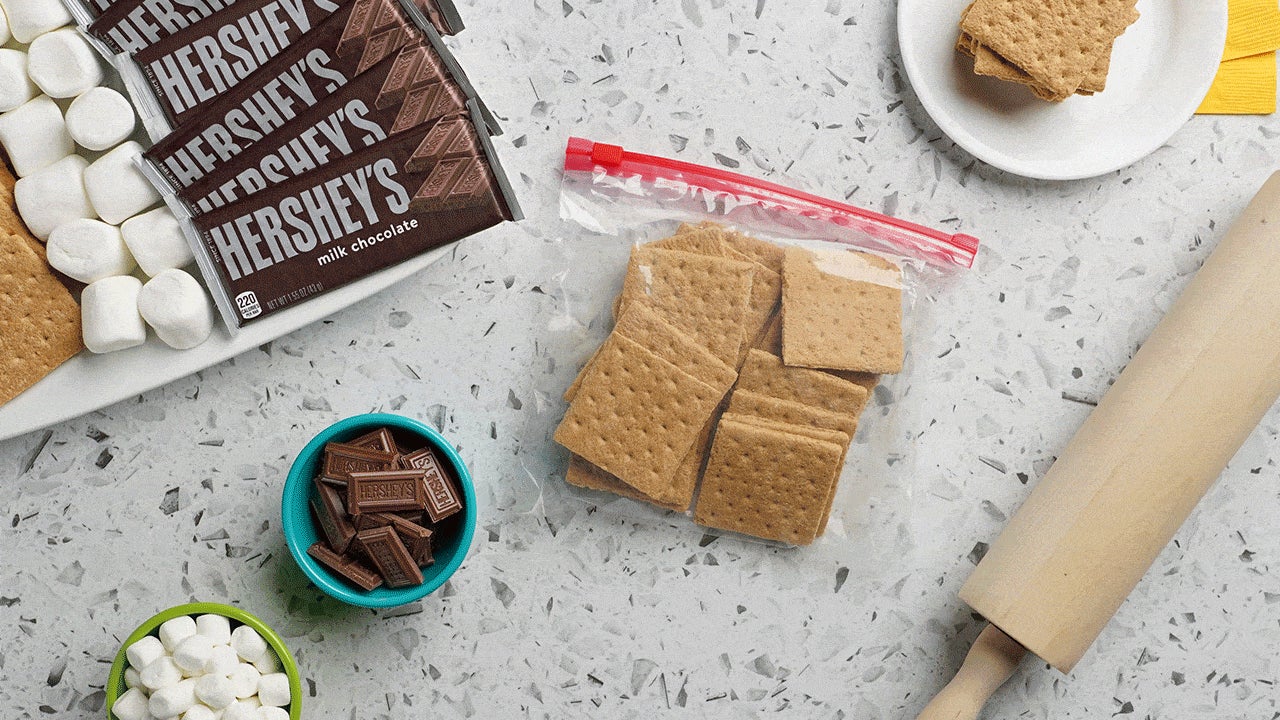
(1161, 69)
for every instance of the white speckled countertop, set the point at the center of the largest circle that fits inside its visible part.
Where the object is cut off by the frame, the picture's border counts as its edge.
(562, 611)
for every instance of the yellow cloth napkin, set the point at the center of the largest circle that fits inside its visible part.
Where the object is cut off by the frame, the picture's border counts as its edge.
(1246, 79)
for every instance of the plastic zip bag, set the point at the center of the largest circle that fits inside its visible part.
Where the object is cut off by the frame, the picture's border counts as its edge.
(639, 199)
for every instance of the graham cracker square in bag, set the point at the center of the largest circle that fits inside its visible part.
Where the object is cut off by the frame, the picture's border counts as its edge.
(766, 483)
(746, 402)
(841, 310)
(704, 297)
(636, 416)
(765, 374)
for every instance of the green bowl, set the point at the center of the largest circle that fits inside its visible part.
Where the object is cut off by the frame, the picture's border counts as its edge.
(115, 682)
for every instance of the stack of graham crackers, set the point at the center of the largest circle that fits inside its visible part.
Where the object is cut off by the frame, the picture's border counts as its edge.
(689, 401)
(1057, 48)
(39, 319)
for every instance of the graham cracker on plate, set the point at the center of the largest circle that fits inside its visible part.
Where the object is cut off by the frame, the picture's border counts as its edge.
(636, 416)
(765, 374)
(39, 319)
(746, 402)
(705, 297)
(766, 482)
(841, 310)
(585, 475)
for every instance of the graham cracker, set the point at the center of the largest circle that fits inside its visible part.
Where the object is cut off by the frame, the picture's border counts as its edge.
(643, 325)
(1056, 42)
(701, 241)
(841, 310)
(765, 374)
(39, 319)
(705, 297)
(771, 338)
(767, 483)
(764, 252)
(866, 380)
(636, 416)
(746, 402)
(585, 475)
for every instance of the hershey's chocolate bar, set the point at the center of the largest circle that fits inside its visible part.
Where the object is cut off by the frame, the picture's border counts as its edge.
(307, 72)
(379, 440)
(131, 25)
(349, 568)
(342, 221)
(442, 496)
(342, 459)
(385, 491)
(331, 515)
(387, 552)
(343, 123)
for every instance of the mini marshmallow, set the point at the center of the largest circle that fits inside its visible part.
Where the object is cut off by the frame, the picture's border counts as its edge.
(53, 196)
(109, 317)
(144, 652)
(242, 710)
(173, 700)
(156, 241)
(160, 674)
(98, 119)
(249, 644)
(244, 680)
(35, 135)
(132, 705)
(30, 18)
(268, 664)
(222, 661)
(192, 653)
(215, 627)
(180, 312)
(216, 691)
(89, 250)
(199, 712)
(131, 678)
(271, 713)
(15, 85)
(62, 64)
(176, 630)
(116, 187)
(5, 34)
(273, 690)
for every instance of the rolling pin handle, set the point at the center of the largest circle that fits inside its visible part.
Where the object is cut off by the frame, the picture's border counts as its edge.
(990, 662)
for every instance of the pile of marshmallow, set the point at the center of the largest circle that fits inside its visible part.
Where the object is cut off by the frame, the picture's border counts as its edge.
(199, 669)
(93, 215)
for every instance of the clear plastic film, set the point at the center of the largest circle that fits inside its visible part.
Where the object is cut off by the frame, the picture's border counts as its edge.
(651, 317)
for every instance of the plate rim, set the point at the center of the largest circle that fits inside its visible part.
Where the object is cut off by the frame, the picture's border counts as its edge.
(1005, 162)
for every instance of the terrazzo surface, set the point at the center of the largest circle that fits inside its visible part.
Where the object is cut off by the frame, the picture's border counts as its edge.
(565, 609)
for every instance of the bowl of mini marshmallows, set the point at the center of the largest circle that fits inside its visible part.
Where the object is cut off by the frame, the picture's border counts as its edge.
(204, 661)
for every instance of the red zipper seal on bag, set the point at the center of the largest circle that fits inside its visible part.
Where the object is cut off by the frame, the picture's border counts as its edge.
(583, 155)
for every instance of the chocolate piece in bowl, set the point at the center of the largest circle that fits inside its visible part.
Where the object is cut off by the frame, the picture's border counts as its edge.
(332, 517)
(342, 459)
(349, 568)
(442, 499)
(386, 491)
(387, 552)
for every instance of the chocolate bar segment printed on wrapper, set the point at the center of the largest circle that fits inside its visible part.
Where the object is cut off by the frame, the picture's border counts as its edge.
(308, 72)
(129, 26)
(347, 121)
(346, 219)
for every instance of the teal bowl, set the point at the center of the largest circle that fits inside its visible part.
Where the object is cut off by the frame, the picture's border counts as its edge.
(115, 681)
(300, 532)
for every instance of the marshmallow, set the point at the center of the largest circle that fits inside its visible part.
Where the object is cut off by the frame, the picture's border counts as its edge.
(132, 705)
(273, 690)
(222, 661)
(35, 135)
(53, 196)
(156, 241)
(199, 712)
(173, 700)
(242, 710)
(244, 680)
(176, 630)
(216, 691)
(109, 317)
(215, 627)
(268, 664)
(144, 652)
(15, 86)
(271, 713)
(62, 64)
(116, 187)
(98, 119)
(5, 35)
(131, 678)
(30, 18)
(249, 644)
(192, 653)
(89, 250)
(176, 307)
(160, 674)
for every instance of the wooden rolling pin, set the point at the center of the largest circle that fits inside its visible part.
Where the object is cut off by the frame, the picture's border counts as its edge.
(1125, 483)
